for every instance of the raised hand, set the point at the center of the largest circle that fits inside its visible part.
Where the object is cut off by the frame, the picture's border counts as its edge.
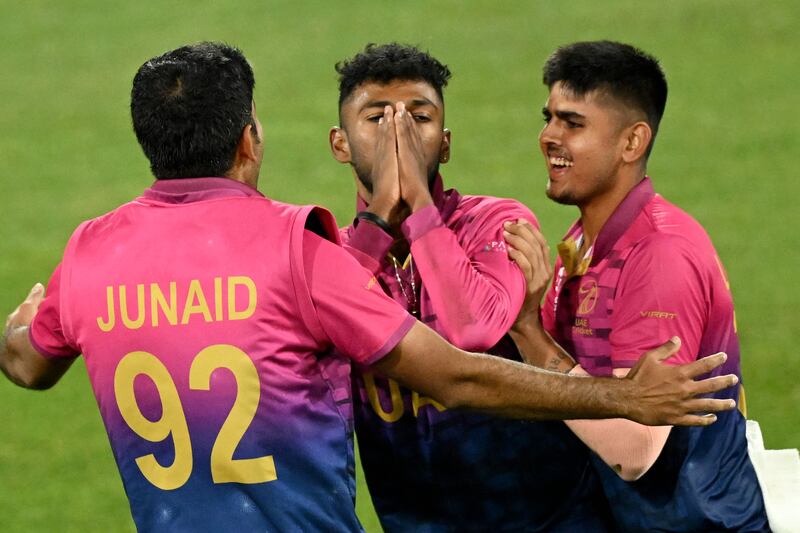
(19, 360)
(528, 248)
(24, 313)
(385, 177)
(666, 394)
(413, 171)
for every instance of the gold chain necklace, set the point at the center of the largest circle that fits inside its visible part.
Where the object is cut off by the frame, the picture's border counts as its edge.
(411, 300)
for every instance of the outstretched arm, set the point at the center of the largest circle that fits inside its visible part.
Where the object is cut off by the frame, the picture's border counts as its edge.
(653, 393)
(362, 322)
(19, 360)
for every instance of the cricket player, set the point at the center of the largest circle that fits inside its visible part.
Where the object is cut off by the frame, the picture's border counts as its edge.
(633, 270)
(442, 256)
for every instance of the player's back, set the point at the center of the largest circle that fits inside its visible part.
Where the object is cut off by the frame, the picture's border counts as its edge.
(201, 346)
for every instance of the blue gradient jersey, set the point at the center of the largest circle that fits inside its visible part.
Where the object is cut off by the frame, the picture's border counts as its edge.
(653, 274)
(207, 315)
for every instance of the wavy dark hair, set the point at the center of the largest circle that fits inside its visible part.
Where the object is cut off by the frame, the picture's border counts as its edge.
(388, 62)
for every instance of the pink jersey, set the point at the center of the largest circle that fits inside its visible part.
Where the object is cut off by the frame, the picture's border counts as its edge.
(653, 273)
(475, 304)
(206, 314)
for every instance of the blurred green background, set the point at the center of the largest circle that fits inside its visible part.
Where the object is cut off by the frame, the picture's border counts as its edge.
(726, 152)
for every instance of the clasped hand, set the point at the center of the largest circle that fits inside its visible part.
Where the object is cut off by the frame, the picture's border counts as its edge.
(399, 177)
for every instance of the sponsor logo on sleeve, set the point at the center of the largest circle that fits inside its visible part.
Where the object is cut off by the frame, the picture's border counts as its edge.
(495, 246)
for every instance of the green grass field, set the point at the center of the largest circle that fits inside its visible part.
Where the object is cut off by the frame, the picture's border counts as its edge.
(727, 153)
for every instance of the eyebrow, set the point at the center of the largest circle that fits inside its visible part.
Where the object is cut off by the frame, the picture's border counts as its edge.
(416, 102)
(563, 115)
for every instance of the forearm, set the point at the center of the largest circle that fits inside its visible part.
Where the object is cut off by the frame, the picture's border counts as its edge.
(491, 384)
(459, 379)
(475, 302)
(630, 449)
(653, 393)
(538, 348)
(24, 366)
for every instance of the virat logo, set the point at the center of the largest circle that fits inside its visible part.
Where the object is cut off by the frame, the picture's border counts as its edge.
(588, 296)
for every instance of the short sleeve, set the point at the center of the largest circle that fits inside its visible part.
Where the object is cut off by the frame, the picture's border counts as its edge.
(660, 294)
(46, 331)
(352, 309)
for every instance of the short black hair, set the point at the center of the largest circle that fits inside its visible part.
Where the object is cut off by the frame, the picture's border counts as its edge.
(623, 72)
(385, 63)
(189, 107)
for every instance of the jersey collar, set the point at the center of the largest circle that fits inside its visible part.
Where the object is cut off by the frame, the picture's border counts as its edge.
(622, 218)
(619, 221)
(188, 190)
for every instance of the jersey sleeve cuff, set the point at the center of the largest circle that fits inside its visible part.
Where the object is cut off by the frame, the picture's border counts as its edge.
(419, 223)
(371, 240)
(389, 345)
(66, 352)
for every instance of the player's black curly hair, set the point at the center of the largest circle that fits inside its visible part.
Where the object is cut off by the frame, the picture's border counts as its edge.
(189, 107)
(387, 62)
(620, 70)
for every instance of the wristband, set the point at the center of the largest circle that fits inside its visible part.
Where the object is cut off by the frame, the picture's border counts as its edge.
(375, 219)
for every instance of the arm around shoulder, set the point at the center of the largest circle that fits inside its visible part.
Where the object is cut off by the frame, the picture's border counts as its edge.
(653, 394)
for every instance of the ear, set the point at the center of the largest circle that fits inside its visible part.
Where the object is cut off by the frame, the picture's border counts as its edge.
(444, 153)
(246, 150)
(638, 139)
(340, 147)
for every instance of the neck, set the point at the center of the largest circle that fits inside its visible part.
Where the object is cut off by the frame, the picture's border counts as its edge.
(241, 175)
(400, 249)
(596, 212)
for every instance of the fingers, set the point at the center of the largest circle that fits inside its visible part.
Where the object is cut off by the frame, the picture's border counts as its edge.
(714, 384)
(524, 264)
(36, 295)
(386, 134)
(408, 141)
(412, 166)
(702, 405)
(24, 313)
(666, 350)
(705, 365)
(386, 128)
(525, 230)
(403, 128)
(709, 405)
(523, 243)
(694, 420)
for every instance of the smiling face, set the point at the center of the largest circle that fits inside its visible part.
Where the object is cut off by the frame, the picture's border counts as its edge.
(361, 112)
(584, 142)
